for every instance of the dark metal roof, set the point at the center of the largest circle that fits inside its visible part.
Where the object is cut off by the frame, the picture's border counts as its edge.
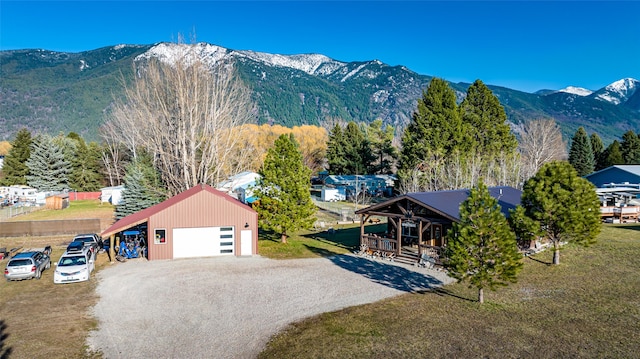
(448, 203)
(143, 215)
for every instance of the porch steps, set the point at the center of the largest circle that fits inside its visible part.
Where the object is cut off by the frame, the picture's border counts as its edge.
(407, 258)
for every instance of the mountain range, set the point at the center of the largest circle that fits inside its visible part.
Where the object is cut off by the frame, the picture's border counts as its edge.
(54, 92)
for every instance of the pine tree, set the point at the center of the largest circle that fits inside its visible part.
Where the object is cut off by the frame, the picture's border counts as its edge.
(581, 153)
(598, 149)
(336, 152)
(142, 188)
(382, 148)
(85, 173)
(435, 127)
(357, 150)
(630, 147)
(285, 204)
(14, 169)
(612, 155)
(482, 248)
(564, 205)
(48, 168)
(486, 121)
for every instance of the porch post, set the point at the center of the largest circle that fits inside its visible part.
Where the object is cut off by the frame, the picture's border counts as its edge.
(399, 237)
(112, 242)
(361, 229)
(419, 235)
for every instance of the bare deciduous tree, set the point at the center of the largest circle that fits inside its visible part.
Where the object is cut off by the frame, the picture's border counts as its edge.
(540, 142)
(187, 114)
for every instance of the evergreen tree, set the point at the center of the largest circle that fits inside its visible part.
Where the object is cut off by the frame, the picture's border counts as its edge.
(435, 127)
(564, 205)
(581, 153)
(14, 169)
(48, 168)
(630, 147)
(336, 152)
(85, 173)
(285, 204)
(486, 121)
(482, 248)
(357, 150)
(598, 149)
(612, 155)
(382, 148)
(142, 187)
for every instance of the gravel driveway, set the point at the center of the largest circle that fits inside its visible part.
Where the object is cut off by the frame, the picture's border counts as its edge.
(229, 307)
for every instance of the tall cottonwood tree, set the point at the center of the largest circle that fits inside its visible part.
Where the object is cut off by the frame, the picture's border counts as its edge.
(482, 248)
(186, 113)
(48, 168)
(564, 206)
(14, 169)
(581, 153)
(540, 142)
(283, 190)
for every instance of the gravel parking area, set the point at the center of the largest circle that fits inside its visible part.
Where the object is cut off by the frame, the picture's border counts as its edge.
(229, 307)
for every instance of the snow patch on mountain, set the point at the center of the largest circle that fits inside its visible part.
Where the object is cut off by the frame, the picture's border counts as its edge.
(170, 53)
(353, 72)
(580, 91)
(313, 64)
(619, 91)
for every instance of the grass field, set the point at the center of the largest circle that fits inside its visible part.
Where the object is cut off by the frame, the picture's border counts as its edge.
(586, 307)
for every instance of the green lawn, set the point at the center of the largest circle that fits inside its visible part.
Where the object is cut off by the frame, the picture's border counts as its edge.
(587, 307)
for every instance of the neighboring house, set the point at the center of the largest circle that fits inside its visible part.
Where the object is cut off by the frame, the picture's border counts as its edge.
(199, 222)
(240, 186)
(111, 195)
(22, 193)
(421, 219)
(373, 185)
(618, 174)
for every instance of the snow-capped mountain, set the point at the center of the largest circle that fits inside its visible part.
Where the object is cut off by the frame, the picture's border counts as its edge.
(58, 91)
(312, 64)
(580, 91)
(618, 92)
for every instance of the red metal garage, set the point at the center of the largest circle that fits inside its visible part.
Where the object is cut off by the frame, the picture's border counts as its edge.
(199, 222)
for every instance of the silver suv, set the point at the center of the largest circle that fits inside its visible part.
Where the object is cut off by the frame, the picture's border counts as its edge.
(27, 265)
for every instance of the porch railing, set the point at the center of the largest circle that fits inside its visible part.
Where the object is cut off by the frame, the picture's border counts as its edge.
(381, 243)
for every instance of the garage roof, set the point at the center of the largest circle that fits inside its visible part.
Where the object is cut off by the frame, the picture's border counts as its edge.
(143, 216)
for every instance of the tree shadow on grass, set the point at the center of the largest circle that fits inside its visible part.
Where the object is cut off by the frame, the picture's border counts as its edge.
(5, 352)
(385, 273)
(539, 261)
(444, 292)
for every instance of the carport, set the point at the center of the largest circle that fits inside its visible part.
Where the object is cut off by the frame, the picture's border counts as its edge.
(199, 222)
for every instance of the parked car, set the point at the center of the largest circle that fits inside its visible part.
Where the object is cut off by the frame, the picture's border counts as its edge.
(27, 265)
(91, 240)
(74, 266)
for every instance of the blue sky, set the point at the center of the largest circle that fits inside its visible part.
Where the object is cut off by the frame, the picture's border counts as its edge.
(525, 45)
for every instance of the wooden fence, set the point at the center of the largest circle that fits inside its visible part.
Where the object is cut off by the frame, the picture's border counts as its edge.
(49, 228)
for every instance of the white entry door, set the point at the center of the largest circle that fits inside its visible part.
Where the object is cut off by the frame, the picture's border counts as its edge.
(246, 242)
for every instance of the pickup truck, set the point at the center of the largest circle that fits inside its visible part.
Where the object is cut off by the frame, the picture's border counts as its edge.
(90, 240)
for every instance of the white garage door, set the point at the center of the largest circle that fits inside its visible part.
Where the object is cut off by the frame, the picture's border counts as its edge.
(203, 242)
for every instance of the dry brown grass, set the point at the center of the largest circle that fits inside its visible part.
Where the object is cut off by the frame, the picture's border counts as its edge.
(587, 307)
(39, 319)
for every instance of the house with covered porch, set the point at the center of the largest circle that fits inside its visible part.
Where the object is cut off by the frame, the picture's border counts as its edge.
(418, 222)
